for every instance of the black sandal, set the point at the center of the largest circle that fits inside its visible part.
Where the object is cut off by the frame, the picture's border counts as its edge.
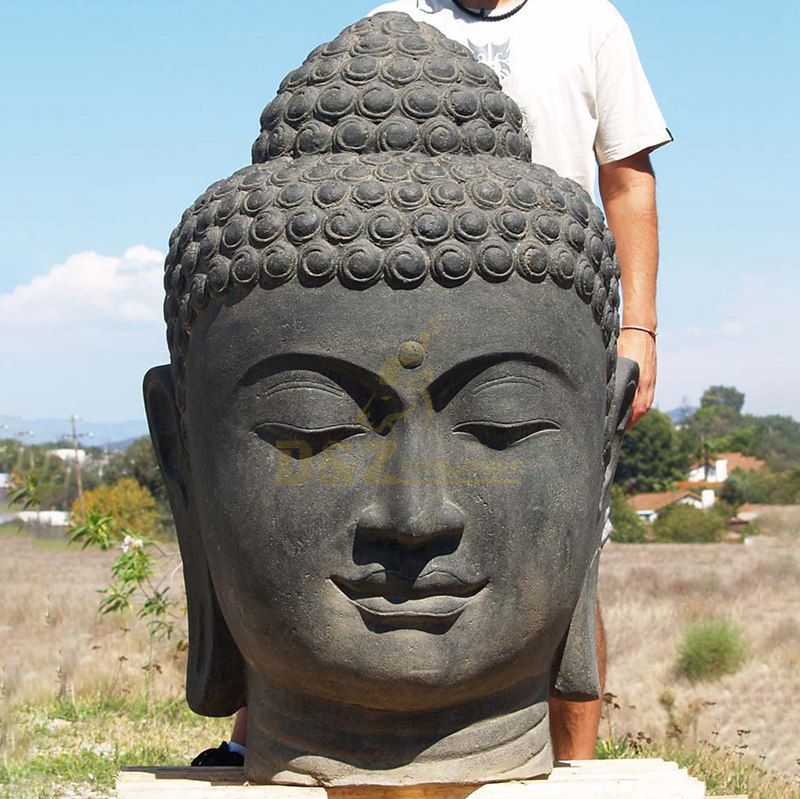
(220, 756)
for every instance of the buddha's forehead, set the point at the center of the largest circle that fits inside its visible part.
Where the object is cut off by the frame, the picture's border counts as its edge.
(513, 320)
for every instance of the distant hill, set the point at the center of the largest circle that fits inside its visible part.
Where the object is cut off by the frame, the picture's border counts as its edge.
(114, 435)
(679, 415)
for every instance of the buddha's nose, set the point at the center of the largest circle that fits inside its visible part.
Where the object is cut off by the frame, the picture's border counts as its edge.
(410, 506)
(405, 519)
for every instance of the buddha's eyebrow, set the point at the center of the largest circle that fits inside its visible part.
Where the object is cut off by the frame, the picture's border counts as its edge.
(505, 379)
(370, 392)
(318, 385)
(329, 366)
(451, 381)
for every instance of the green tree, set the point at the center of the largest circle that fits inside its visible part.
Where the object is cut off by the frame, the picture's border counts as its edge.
(741, 440)
(763, 486)
(628, 527)
(54, 477)
(9, 455)
(720, 426)
(776, 439)
(711, 423)
(653, 456)
(139, 462)
(722, 397)
(718, 418)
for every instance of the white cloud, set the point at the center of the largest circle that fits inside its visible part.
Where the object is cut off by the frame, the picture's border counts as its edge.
(89, 288)
(78, 338)
(732, 328)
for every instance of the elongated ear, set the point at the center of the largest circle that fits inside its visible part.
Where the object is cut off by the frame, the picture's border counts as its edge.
(576, 674)
(627, 378)
(215, 676)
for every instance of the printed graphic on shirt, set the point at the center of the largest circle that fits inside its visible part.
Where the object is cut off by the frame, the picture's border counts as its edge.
(496, 56)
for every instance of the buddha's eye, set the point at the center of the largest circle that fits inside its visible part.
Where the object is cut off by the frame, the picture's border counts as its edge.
(304, 442)
(499, 435)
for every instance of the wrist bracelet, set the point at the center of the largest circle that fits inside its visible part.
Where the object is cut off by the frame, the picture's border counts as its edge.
(651, 333)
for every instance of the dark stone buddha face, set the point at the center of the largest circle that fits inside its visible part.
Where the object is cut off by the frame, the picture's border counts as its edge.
(390, 423)
(404, 537)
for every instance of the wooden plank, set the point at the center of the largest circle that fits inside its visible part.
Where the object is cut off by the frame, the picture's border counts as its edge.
(589, 779)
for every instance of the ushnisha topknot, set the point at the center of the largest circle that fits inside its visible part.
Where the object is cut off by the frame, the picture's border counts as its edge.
(390, 84)
(391, 155)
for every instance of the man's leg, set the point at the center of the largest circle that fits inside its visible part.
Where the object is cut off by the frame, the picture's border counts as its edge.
(227, 753)
(239, 734)
(574, 725)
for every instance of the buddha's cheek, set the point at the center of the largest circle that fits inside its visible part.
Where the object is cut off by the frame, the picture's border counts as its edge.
(529, 529)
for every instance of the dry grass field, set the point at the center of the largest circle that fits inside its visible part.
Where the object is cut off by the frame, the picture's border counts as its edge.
(78, 699)
(54, 643)
(649, 594)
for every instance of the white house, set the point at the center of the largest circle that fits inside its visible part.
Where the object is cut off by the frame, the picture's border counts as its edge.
(45, 518)
(648, 505)
(6, 486)
(719, 470)
(69, 455)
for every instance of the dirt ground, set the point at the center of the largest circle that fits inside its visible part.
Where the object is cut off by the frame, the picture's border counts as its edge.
(53, 643)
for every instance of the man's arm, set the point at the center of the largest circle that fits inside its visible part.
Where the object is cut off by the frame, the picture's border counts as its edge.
(628, 191)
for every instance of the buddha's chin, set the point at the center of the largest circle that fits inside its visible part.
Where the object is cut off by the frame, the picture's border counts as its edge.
(431, 675)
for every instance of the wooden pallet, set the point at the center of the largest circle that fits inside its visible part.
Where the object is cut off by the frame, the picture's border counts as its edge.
(578, 779)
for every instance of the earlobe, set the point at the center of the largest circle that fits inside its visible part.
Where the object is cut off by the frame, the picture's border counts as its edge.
(575, 674)
(215, 675)
(627, 378)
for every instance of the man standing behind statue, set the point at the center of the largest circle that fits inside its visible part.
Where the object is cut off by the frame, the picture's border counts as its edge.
(589, 111)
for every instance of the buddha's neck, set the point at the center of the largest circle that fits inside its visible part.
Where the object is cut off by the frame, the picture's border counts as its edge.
(305, 740)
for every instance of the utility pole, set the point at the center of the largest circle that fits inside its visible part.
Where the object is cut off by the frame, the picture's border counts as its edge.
(78, 477)
(31, 463)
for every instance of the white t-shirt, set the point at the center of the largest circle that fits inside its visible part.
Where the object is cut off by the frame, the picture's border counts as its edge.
(573, 69)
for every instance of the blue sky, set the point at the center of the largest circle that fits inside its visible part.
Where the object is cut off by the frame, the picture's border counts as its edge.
(116, 115)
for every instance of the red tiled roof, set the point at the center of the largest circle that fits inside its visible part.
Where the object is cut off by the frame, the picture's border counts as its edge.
(736, 460)
(698, 485)
(658, 500)
(750, 507)
(747, 463)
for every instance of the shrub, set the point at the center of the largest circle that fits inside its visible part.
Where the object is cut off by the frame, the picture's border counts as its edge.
(628, 527)
(711, 648)
(763, 486)
(684, 524)
(128, 503)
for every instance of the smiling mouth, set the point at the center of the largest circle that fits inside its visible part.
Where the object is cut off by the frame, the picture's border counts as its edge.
(388, 599)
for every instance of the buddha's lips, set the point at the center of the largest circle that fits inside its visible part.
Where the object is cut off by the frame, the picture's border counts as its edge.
(437, 594)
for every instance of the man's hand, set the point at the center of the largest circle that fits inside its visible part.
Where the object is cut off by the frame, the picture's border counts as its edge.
(628, 189)
(640, 347)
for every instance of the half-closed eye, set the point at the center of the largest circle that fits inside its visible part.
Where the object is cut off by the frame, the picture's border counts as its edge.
(305, 442)
(501, 435)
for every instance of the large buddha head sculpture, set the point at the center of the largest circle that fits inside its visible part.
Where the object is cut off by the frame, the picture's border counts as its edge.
(390, 423)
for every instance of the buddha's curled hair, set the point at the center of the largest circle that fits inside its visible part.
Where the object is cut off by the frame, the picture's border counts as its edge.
(391, 155)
